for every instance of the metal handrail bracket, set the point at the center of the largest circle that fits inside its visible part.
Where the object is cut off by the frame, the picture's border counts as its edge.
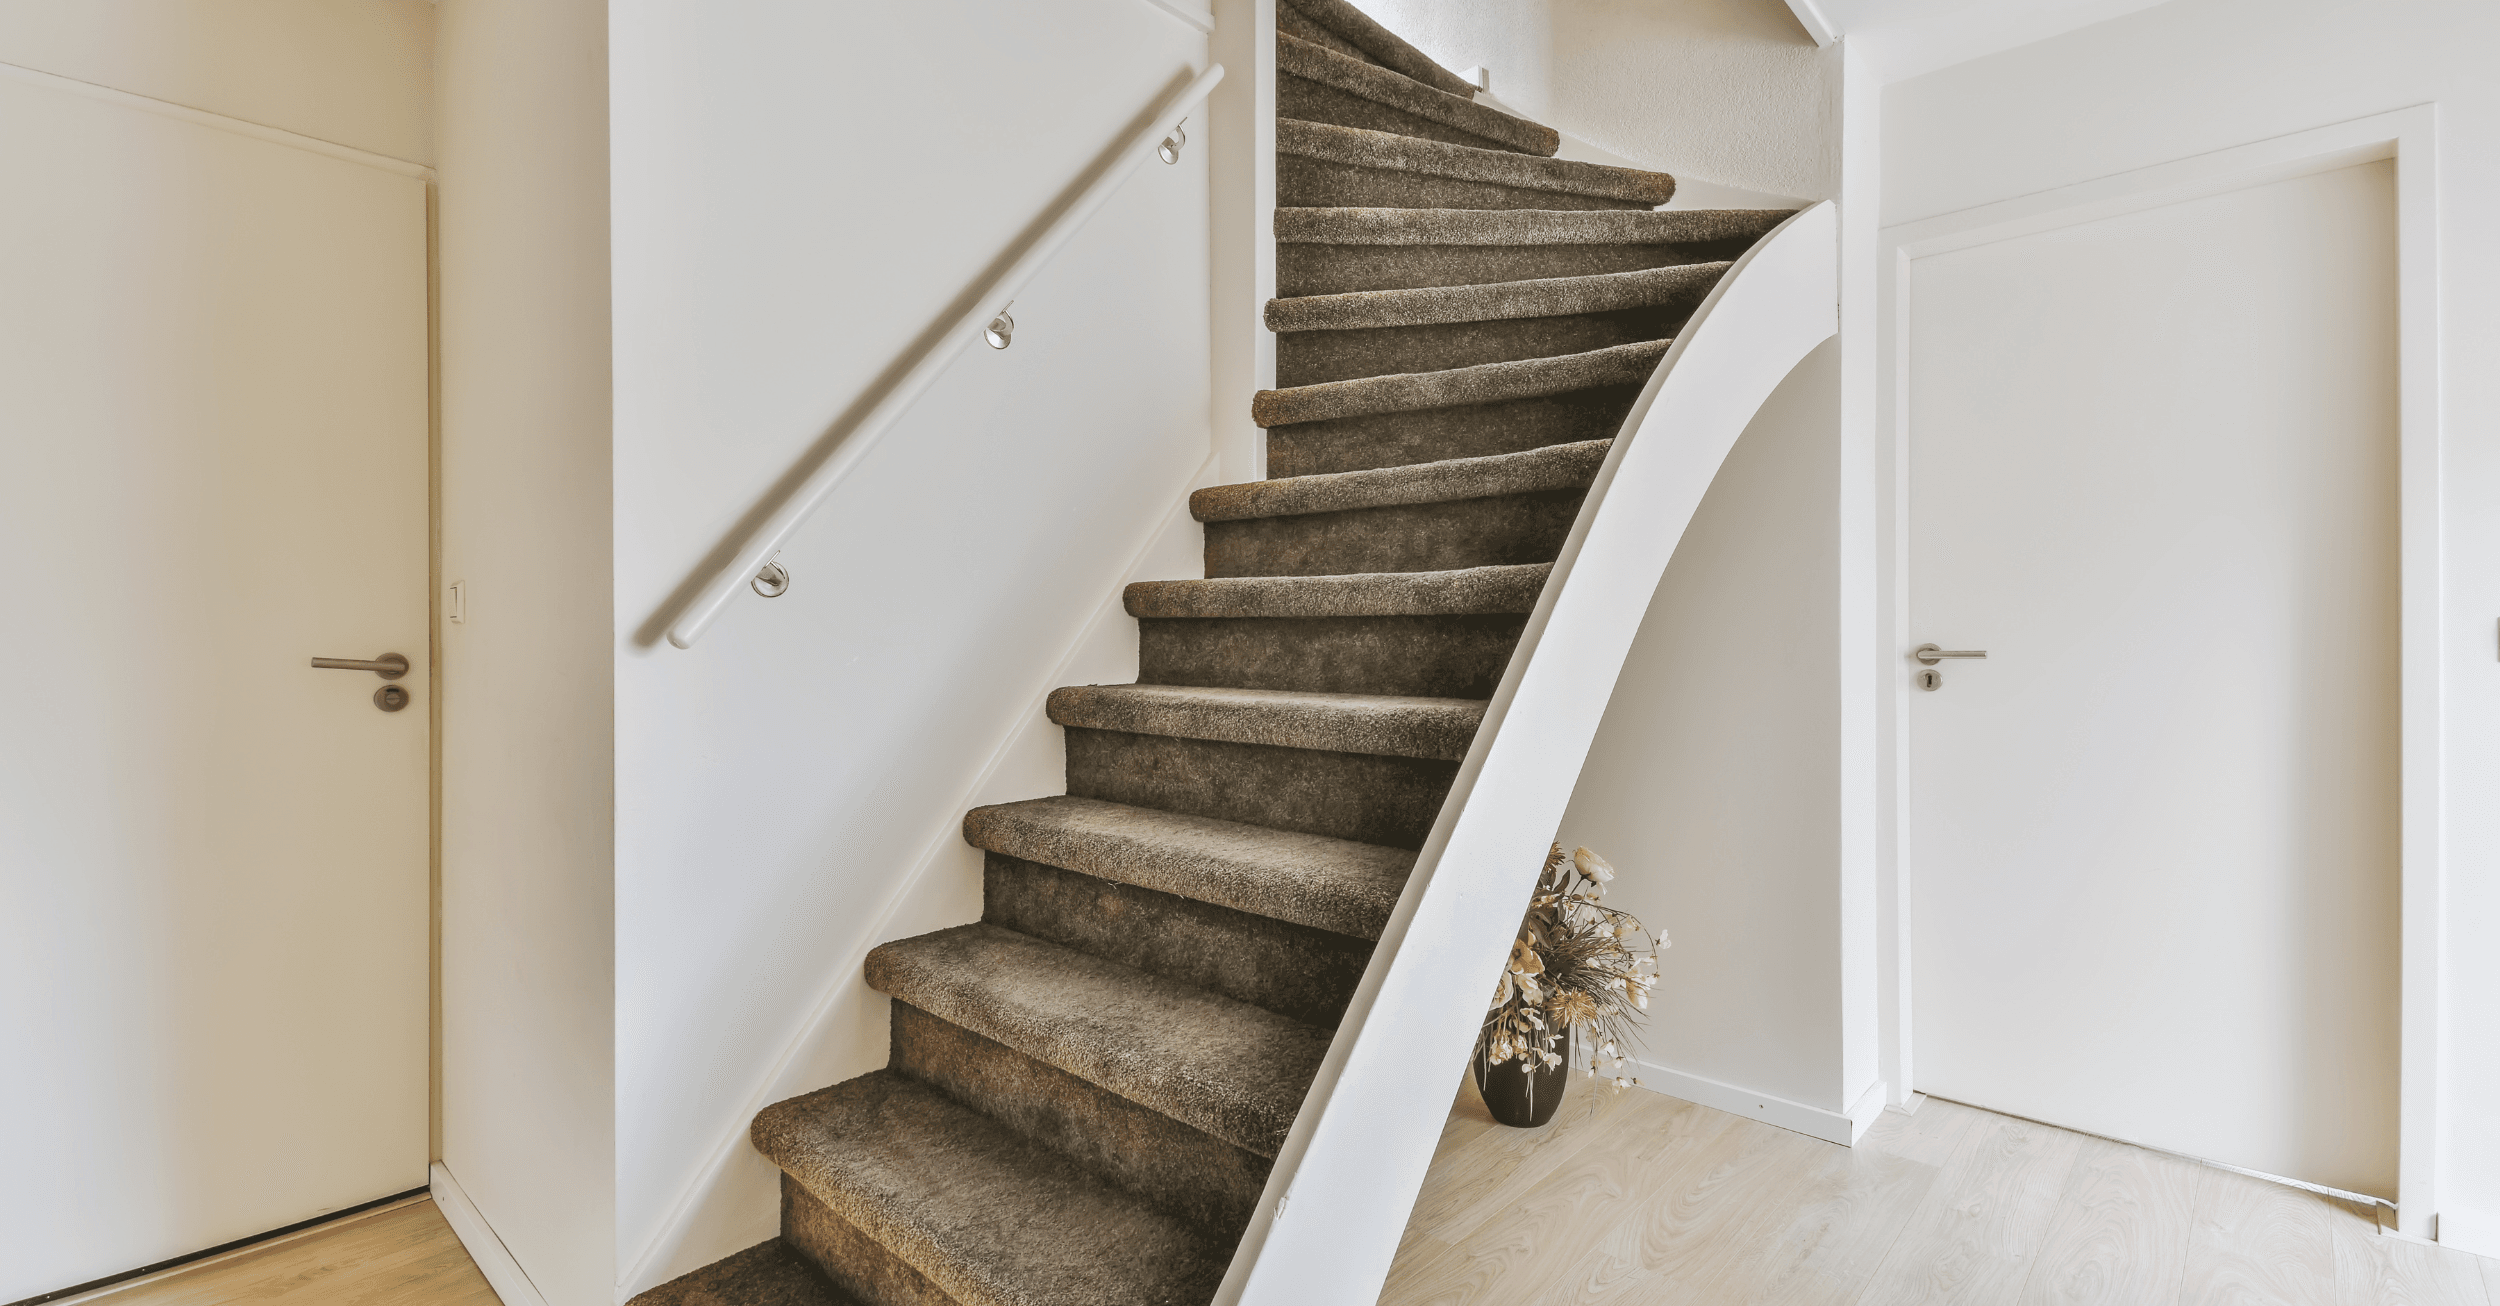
(811, 493)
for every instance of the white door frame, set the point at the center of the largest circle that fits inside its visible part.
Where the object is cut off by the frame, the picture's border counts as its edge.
(2406, 136)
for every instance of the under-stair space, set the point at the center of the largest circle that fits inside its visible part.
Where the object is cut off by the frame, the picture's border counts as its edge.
(1089, 1086)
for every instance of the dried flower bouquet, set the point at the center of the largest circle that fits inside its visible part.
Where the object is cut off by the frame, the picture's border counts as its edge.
(1578, 964)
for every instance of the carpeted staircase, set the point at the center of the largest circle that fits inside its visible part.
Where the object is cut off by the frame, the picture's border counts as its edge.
(1088, 1086)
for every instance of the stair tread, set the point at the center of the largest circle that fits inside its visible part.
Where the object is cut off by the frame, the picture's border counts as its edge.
(1383, 724)
(990, 1217)
(1496, 301)
(1469, 591)
(1373, 226)
(1233, 1070)
(1363, 148)
(1328, 884)
(1481, 383)
(1299, 58)
(1363, 32)
(1553, 467)
(767, 1274)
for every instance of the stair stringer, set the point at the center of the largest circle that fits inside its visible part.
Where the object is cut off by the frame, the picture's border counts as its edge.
(1329, 1220)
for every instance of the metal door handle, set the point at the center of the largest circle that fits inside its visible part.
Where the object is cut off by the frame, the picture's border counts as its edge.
(1929, 655)
(389, 666)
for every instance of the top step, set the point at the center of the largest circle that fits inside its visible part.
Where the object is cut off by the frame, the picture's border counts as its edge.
(1341, 27)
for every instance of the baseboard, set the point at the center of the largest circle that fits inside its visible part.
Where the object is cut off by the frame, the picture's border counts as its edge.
(494, 1260)
(1842, 1127)
(2469, 1230)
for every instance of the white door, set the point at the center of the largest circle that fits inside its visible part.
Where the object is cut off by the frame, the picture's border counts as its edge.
(213, 858)
(2152, 840)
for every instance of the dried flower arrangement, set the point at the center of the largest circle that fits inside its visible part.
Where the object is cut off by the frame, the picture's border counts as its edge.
(1578, 964)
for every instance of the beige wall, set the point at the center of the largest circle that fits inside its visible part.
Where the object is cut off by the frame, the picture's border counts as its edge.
(353, 72)
(528, 743)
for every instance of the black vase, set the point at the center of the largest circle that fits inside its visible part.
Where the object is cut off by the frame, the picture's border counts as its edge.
(1518, 1094)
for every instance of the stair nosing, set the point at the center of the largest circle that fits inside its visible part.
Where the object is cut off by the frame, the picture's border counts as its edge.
(1370, 36)
(1075, 1030)
(1379, 725)
(1338, 885)
(1479, 383)
(790, 1134)
(1394, 227)
(1361, 147)
(1495, 301)
(1311, 62)
(1498, 589)
(1531, 471)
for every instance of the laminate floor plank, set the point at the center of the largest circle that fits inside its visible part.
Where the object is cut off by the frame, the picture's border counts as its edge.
(405, 1256)
(2374, 1269)
(1535, 1243)
(1632, 1198)
(2120, 1236)
(1980, 1227)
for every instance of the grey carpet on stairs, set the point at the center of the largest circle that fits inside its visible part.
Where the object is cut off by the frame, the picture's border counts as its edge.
(1086, 1086)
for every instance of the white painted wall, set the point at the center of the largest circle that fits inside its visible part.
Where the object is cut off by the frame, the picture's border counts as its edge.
(788, 793)
(527, 1060)
(358, 72)
(1713, 784)
(1727, 92)
(2194, 76)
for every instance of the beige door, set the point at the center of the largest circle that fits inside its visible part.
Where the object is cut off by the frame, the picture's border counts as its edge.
(2153, 836)
(213, 875)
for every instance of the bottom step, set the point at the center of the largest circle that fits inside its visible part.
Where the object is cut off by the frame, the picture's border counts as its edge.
(989, 1217)
(767, 1274)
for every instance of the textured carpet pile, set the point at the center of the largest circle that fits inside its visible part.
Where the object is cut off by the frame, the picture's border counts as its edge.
(1088, 1086)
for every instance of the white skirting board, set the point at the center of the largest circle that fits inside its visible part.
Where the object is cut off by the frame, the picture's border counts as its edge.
(503, 1273)
(1842, 1127)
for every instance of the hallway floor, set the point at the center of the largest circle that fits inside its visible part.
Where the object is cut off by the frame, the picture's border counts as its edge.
(401, 1255)
(1634, 1197)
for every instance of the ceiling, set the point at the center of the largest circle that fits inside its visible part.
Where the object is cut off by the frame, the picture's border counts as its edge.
(1904, 38)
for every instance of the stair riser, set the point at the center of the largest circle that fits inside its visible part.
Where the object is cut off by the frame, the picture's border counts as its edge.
(1513, 528)
(1310, 101)
(1360, 796)
(1304, 182)
(857, 1263)
(1289, 969)
(1353, 444)
(1312, 357)
(1340, 269)
(1430, 657)
(1188, 1172)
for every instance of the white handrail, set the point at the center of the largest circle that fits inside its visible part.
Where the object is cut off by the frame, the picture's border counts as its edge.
(1328, 1224)
(811, 493)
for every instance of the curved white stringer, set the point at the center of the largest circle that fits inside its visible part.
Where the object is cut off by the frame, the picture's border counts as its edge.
(1329, 1222)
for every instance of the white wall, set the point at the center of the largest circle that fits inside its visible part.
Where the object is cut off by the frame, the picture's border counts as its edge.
(358, 73)
(1728, 92)
(2194, 76)
(527, 1078)
(800, 193)
(1713, 784)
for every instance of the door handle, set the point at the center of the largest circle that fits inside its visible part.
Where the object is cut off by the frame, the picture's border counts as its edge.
(389, 666)
(1929, 655)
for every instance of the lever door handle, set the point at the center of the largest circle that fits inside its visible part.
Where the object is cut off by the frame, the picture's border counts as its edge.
(389, 666)
(1929, 655)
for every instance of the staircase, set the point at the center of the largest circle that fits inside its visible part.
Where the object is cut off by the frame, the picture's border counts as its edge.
(1088, 1087)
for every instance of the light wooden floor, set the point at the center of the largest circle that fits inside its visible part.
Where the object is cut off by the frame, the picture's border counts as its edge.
(1634, 1197)
(401, 1256)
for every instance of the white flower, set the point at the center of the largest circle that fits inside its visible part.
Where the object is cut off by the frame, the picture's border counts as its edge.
(1591, 865)
(1501, 994)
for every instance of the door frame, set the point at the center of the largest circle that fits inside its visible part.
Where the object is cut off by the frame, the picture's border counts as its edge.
(2408, 137)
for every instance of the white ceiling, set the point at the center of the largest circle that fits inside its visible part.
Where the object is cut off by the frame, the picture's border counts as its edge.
(1903, 38)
